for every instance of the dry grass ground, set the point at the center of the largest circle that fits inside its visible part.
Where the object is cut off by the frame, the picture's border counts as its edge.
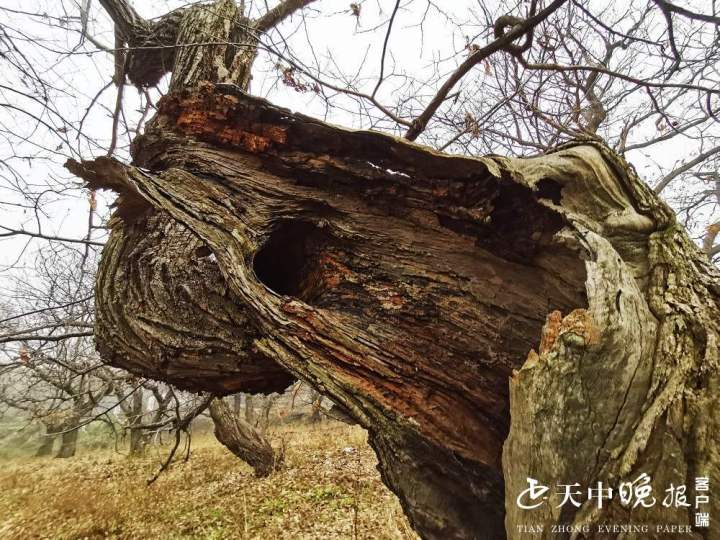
(326, 490)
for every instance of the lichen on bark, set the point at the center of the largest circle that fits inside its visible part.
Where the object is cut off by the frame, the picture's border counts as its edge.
(636, 399)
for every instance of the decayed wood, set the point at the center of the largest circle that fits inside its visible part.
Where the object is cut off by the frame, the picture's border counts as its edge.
(627, 389)
(407, 285)
(252, 245)
(629, 386)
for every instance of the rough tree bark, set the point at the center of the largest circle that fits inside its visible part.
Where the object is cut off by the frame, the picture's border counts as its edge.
(409, 287)
(243, 440)
(226, 47)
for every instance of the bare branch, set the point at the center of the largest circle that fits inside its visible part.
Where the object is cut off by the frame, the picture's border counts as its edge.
(34, 337)
(384, 50)
(124, 16)
(279, 13)
(662, 184)
(22, 232)
(669, 7)
(419, 124)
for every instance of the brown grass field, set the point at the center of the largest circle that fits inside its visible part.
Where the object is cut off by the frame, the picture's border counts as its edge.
(329, 488)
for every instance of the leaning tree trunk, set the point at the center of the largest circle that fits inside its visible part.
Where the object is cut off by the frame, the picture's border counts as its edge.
(243, 440)
(408, 285)
(433, 297)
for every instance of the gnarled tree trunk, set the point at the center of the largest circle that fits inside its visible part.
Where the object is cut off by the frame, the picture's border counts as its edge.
(243, 440)
(252, 245)
(408, 285)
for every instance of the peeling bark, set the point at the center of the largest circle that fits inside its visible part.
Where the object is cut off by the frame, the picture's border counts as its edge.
(252, 245)
(403, 283)
(651, 337)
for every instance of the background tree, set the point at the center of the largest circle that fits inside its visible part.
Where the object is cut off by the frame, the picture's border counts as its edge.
(53, 375)
(51, 371)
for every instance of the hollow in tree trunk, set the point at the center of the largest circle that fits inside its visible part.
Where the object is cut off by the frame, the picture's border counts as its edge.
(486, 319)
